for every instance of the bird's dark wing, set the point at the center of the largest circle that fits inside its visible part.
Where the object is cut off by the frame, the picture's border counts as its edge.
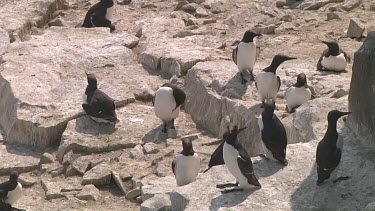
(173, 166)
(312, 90)
(87, 21)
(179, 96)
(279, 83)
(319, 65)
(275, 139)
(347, 57)
(101, 106)
(234, 55)
(98, 18)
(246, 168)
(327, 159)
(242, 151)
(217, 158)
(4, 187)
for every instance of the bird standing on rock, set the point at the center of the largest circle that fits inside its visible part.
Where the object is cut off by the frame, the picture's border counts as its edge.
(267, 82)
(299, 93)
(238, 163)
(11, 190)
(186, 165)
(245, 55)
(333, 58)
(167, 102)
(100, 15)
(273, 134)
(99, 106)
(329, 150)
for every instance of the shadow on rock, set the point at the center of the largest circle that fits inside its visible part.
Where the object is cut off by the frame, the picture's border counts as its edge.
(234, 88)
(155, 135)
(265, 168)
(88, 126)
(230, 199)
(23, 150)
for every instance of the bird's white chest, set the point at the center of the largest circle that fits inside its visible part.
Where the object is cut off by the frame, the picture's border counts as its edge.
(14, 195)
(165, 103)
(246, 55)
(230, 155)
(296, 96)
(186, 168)
(267, 85)
(334, 63)
(109, 13)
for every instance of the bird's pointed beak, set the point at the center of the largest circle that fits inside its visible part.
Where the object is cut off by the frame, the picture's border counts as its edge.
(345, 113)
(290, 58)
(241, 129)
(258, 117)
(259, 35)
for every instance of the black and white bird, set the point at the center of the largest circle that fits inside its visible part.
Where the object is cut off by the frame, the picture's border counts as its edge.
(245, 55)
(267, 82)
(273, 134)
(217, 158)
(11, 190)
(299, 93)
(186, 165)
(100, 15)
(333, 58)
(329, 150)
(238, 163)
(167, 102)
(99, 106)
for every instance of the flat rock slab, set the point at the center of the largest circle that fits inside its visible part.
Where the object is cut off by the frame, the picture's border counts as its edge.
(55, 188)
(4, 41)
(89, 193)
(42, 95)
(18, 158)
(99, 175)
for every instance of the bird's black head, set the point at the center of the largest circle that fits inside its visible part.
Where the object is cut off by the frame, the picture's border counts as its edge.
(277, 60)
(231, 136)
(269, 108)
(107, 3)
(301, 80)
(92, 82)
(13, 176)
(249, 36)
(333, 47)
(335, 115)
(187, 148)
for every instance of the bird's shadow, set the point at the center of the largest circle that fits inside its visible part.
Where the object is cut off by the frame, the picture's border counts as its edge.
(230, 199)
(155, 135)
(86, 125)
(235, 84)
(265, 168)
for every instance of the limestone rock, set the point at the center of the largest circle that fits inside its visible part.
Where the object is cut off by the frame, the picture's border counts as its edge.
(340, 93)
(124, 2)
(270, 29)
(201, 12)
(57, 22)
(116, 177)
(192, 7)
(99, 175)
(355, 29)
(372, 6)
(162, 203)
(151, 148)
(18, 158)
(144, 95)
(53, 187)
(360, 101)
(180, 4)
(332, 16)
(46, 158)
(280, 3)
(4, 42)
(217, 9)
(27, 180)
(370, 207)
(81, 164)
(350, 5)
(162, 186)
(70, 171)
(161, 170)
(315, 4)
(137, 152)
(89, 193)
(133, 193)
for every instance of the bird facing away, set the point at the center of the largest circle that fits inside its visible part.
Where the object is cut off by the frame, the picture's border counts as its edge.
(267, 82)
(238, 163)
(99, 106)
(329, 150)
(100, 15)
(245, 55)
(299, 93)
(11, 190)
(273, 134)
(333, 58)
(186, 165)
(167, 102)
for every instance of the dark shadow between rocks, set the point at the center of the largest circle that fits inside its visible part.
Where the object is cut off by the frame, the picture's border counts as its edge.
(155, 135)
(23, 150)
(156, 72)
(230, 199)
(86, 125)
(234, 84)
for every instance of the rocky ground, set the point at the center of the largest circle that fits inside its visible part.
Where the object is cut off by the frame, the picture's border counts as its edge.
(69, 162)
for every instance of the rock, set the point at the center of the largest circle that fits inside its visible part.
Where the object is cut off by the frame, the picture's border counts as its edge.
(116, 177)
(209, 21)
(18, 158)
(162, 203)
(37, 112)
(26, 180)
(190, 137)
(280, 3)
(161, 170)
(46, 158)
(355, 29)
(186, 33)
(123, 2)
(372, 6)
(369, 207)
(70, 171)
(287, 18)
(133, 193)
(81, 164)
(180, 4)
(350, 5)
(162, 186)
(332, 16)
(265, 29)
(68, 158)
(315, 5)
(58, 171)
(340, 93)
(151, 148)
(89, 193)
(71, 189)
(201, 12)
(137, 152)
(56, 22)
(231, 21)
(190, 8)
(361, 102)
(99, 175)
(217, 9)
(53, 187)
(144, 95)
(172, 133)
(4, 42)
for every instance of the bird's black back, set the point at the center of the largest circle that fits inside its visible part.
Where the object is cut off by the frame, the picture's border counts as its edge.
(274, 136)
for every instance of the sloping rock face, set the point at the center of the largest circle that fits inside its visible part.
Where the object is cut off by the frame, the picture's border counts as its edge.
(362, 91)
(42, 85)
